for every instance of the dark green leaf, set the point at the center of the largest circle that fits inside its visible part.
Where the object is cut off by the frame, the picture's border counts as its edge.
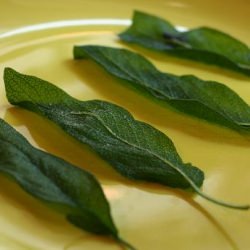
(135, 149)
(54, 181)
(206, 100)
(201, 44)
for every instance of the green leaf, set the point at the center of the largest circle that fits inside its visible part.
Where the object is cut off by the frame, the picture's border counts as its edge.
(50, 179)
(207, 100)
(135, 149)
(201, 44)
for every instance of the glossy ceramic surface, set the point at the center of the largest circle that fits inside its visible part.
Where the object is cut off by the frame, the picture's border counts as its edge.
(36, 37)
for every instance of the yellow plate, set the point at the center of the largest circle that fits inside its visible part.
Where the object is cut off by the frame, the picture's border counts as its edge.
(37, 38)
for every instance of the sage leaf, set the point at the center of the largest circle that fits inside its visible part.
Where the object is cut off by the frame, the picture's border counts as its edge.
(133, 148)
(56, 182)
(202, 44)
(207, 100)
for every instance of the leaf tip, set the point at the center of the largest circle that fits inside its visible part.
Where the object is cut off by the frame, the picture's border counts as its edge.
(7, 71)
(125, 244)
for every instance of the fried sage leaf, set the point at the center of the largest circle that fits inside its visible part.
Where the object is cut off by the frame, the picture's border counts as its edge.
(135, 149)
(207, 100)
(50, 179)
(202, 44)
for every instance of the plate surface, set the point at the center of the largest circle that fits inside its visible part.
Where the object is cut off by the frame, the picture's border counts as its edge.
(36, 37)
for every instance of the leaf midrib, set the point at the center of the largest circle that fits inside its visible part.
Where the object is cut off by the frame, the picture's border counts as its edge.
(135, 146)
(183, 174)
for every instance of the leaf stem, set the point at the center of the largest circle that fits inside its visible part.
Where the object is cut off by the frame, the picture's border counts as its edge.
(222, 203)
(176, 40)
(207, 197)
